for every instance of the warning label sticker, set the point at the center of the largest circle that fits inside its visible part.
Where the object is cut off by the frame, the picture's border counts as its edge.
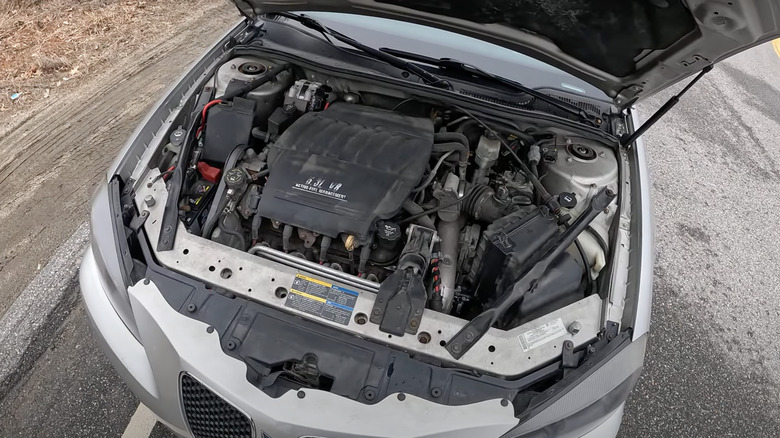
(323, 299)
(542, 334)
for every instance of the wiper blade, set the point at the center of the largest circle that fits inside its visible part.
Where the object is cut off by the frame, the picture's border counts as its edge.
(454, 64)
(427, 77)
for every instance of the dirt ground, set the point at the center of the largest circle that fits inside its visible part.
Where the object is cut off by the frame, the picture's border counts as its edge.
(52, 45)
(55, 146)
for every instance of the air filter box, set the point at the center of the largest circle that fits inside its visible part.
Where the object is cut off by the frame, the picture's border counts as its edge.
(521, 237)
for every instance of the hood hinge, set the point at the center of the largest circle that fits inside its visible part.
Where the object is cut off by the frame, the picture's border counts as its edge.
(626, 95)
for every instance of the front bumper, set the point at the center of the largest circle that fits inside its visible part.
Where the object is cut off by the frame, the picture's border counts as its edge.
(172, 344)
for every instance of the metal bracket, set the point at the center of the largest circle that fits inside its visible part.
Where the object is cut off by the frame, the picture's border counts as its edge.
(252, 29)
(570, 359)
(611, 330)
(138, 221)
(400, 303)
(694, 60)
(627, 94)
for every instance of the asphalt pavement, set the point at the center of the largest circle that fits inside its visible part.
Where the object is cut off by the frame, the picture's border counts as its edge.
(712, 368)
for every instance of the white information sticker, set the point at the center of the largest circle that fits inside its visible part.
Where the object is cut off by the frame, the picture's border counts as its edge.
(542, 334)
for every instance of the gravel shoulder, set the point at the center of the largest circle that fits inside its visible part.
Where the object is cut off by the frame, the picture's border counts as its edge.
(51, 161)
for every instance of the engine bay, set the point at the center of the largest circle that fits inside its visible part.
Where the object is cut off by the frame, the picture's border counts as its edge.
(428, 206)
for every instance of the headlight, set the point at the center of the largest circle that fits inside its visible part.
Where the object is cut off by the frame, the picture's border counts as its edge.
(591, 399)
(106, 223)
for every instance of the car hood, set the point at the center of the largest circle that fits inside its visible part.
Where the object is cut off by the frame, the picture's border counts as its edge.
(628, 49)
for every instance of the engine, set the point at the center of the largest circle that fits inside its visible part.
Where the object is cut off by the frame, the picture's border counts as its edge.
(440, 210)
(341, 170)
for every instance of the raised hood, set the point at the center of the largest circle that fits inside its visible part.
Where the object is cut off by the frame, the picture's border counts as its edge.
(627, 48)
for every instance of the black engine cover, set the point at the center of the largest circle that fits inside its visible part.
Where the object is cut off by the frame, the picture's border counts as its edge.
(338, 170)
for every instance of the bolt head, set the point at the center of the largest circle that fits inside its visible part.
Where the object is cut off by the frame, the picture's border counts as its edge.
(149, 200)
(575, 327)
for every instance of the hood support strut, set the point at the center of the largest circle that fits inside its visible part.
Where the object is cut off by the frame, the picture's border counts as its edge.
(628, 139)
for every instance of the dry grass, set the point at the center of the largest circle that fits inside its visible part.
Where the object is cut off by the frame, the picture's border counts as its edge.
(45, 44)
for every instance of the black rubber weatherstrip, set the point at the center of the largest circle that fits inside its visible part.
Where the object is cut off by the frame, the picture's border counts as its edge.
(170, 213)
(170, 219)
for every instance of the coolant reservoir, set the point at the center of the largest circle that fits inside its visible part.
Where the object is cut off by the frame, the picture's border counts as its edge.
(488, 149)
(583, 168)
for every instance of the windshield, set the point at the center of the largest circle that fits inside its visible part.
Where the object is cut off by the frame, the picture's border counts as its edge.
(381, 32)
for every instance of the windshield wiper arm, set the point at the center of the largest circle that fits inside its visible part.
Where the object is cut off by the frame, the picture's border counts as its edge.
(454, 64)
(427, 77)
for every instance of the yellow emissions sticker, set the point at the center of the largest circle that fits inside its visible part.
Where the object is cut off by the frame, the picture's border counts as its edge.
(322, 299)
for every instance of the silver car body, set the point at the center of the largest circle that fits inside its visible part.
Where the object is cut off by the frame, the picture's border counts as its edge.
(159, 345)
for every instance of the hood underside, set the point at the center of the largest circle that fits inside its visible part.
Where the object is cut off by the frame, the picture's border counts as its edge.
(628, 49)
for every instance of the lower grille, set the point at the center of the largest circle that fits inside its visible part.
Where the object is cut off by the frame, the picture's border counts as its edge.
(210, 416)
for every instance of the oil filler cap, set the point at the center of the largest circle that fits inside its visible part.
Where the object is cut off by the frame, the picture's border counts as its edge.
(567, 200)
(388, 231)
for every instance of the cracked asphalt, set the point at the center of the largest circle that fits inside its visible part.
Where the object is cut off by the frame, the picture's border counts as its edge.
(713, 363)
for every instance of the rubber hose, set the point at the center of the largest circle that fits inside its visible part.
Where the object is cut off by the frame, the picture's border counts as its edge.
(432, 173)
(447, 137)
(414, 208)
(457, 142)
(257, 221)
(525, 138)
(220, 200)
(465, 125)
(286, 234)
(463, 151)
(260, 134)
